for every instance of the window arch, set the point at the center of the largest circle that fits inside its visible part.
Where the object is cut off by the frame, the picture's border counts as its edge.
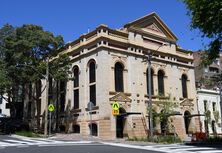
(76, 76)
(119, 85)
(161, 83)
(147, 80)
(92, 81)
(184, 85)
(76, 87)
(92, 71)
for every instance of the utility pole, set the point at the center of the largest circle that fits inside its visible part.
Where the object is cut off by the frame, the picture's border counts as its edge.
(150, 106)
(47, 98)
(149, 56)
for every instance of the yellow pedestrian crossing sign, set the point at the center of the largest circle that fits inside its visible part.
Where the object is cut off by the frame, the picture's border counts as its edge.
(115, 112)
(51, 107)
(115, 105)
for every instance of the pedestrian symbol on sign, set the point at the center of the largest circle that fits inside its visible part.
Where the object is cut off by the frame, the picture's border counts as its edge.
(51, 107)
(115, 105)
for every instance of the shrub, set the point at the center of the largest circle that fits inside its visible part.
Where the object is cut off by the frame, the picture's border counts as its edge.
(27, 134)
(158, 139)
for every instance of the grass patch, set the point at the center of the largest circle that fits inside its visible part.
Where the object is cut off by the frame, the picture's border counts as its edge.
(28, 134)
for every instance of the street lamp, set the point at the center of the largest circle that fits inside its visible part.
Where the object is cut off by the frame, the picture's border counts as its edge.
(150, 118)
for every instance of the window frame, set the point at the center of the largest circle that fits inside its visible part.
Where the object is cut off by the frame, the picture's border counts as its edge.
(76, 87)
(119, 77)
(161, 87)
(92, 81)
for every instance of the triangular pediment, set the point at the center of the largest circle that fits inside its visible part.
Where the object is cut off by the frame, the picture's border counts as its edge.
(120, 97)
(153, 28)
(152, 24)
(186, 102)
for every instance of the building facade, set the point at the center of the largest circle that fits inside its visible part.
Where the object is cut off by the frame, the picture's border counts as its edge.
(4, 109)
(208, 102)
(111, 65)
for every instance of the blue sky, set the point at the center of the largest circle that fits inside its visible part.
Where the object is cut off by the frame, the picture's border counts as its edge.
(72, 18)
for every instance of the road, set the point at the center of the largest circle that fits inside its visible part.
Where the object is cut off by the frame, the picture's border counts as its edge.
(11, 144)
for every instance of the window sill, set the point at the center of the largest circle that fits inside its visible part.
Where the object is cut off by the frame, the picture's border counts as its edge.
(114, 93)
(77, 110)
(190, 99)
(94, 108)
(156, 96)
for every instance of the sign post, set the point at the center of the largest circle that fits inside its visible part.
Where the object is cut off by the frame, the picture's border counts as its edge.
(51, 109)
(90, 108)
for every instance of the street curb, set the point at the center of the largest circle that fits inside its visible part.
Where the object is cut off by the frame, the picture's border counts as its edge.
(24, 137)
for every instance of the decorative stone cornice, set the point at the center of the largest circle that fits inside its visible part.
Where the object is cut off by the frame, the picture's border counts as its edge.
(120, 97)
(186, 102)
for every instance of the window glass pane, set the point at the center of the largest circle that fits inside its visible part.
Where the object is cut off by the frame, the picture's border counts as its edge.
(184, 86)
(62, 95)
(214, 106)
(76, 77)
(92, 72)
(205, 105)
(92, 89)
(161, 83)
(119, 87)
(76, 99)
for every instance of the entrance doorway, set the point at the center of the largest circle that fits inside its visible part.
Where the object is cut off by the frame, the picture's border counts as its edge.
(120, 122)
(187, 121)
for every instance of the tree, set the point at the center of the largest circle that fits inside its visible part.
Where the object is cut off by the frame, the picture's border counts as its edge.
(166, 110)
(25, 53)
(5, 31)
(206, 15)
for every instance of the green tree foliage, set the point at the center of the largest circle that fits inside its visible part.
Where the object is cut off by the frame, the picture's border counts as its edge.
(207, 17)
(24, 52)
(5, 31)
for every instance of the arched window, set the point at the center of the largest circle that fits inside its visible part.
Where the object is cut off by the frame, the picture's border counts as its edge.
(119, 86)
(184, 85)
(161, 83)
(62, 95)
(147, 80)
(92, 71)
(76, 87)
(76, 76)
(92, 81)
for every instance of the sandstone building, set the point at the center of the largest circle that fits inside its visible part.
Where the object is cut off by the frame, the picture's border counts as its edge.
(111, 65)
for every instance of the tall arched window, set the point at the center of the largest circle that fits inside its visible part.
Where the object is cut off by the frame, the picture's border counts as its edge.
(92, 81)
(161, 83)
(92, 71)
(119, 85)
(147, 80)
(184, 85)
(76, 87)
(62, 95)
